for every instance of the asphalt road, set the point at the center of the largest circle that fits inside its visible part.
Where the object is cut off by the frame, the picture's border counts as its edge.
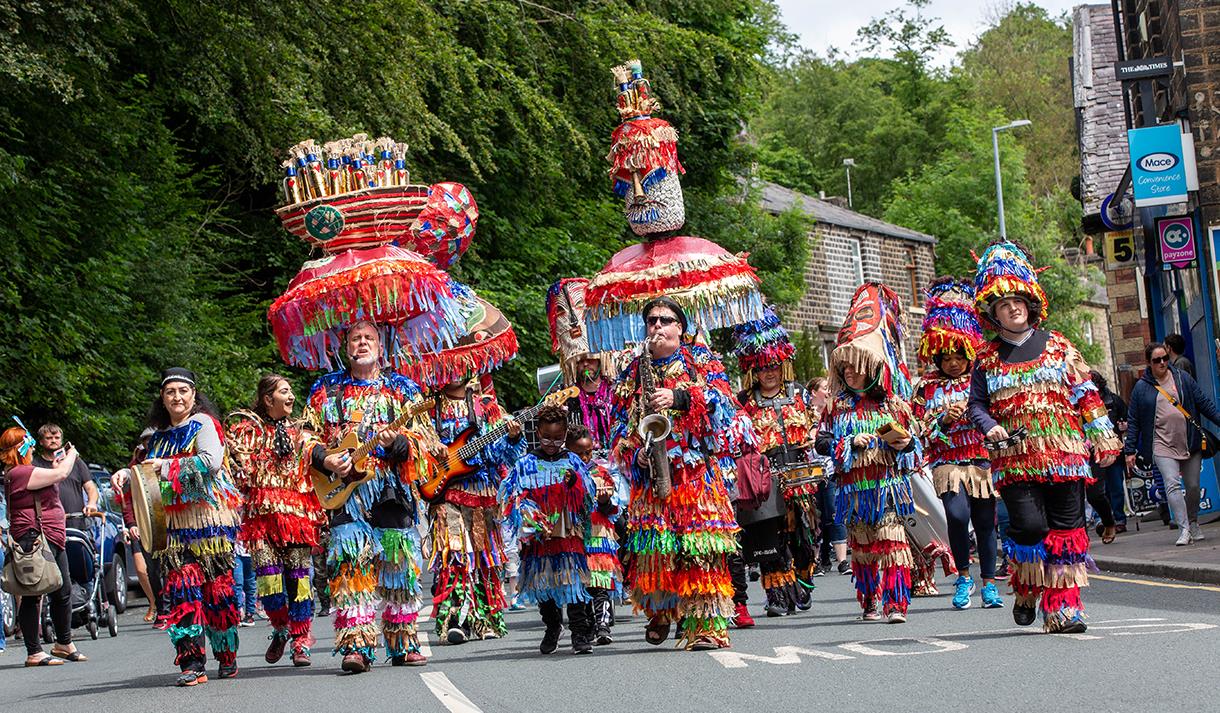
(1150, 646)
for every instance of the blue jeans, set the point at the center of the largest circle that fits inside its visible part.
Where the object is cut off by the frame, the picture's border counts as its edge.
(245, 585)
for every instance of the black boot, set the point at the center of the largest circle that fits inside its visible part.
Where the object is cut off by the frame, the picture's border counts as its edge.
(580, 618)
(552, 616)
(777, 604)
(603, 616)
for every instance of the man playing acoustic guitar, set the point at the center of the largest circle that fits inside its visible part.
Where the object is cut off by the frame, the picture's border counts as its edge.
(379, 516)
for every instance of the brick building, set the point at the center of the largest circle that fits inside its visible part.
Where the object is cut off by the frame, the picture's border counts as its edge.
(847, 249)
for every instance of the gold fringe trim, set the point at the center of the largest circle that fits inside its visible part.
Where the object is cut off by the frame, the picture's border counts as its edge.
(950, 478)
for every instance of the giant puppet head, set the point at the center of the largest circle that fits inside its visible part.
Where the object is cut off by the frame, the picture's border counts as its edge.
(643, 157)
(871, 342)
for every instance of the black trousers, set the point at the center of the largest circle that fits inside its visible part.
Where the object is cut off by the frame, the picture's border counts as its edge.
(60, 602)
(1034, 509)
(1099, 498)
(580, 618)
(737, 574)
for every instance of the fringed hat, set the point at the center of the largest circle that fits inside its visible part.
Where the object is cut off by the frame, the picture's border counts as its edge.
(565, 311)
(357, 193)
(1005, 271)
(485, 342)
(950, 324)
(715, 288)
(407, 298)
(763, 343)
(871, 341)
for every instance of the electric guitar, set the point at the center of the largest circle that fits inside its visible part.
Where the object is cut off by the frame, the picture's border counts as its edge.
(333, 491)
(455, 464)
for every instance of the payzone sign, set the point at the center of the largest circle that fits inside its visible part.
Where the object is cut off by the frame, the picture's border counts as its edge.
(1177, 239)
(1158, 173)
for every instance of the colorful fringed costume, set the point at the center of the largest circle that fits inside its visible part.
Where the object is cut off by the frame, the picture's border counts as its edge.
(467, 549)
(201, 523)
(550, 498)
(874, 489)
(1040, 384)
(281, 519)
(374, 545)
(601, 544)
(680, 544)
(781, 535)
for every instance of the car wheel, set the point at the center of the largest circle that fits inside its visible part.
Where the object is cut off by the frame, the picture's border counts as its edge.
(116, 583)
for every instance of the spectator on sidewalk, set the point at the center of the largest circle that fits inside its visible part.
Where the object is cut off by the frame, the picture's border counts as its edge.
(1177, 354)
(1107, 494)
(77, 494)
(1163, 427)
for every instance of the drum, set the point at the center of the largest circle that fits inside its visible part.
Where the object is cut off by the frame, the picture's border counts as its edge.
(799, 477)
(148, 508)
(927, 526)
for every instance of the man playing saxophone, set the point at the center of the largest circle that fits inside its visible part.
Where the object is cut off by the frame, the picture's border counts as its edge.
(679, 541)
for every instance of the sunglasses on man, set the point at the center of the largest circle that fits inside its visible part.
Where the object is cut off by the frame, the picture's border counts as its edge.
(661, 320)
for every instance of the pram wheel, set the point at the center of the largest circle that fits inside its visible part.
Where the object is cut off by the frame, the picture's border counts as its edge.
(92, 628)
(112, 621)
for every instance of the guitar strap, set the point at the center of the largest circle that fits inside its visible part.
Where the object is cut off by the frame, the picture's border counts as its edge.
(475, 418)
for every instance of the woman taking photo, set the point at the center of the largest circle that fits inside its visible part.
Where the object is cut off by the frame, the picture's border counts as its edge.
(33, 508)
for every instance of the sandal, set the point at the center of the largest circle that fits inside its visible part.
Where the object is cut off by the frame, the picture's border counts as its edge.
(656, 632)
(1108, 534)
(73, 656)
(44, 661)
(151, 615)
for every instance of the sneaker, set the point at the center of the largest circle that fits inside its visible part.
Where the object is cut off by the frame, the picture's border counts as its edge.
(603, 636)
(489, 635)
(227, 670)
(247, 620)
(991, 597)
(355, 662)
(1068, 620)
(871, 613)
(550, 640)
(965, 587)
(582, 647)
(456, 634)
(742, 618)
(1024, 614)
(821, 570)
(275, 652)
(516, 606)
(1196, 532)
(1001, 572)
(192, 678)
(896, 617)
(324, 611)
(845, 567)
(1183, 537)
(755, 572)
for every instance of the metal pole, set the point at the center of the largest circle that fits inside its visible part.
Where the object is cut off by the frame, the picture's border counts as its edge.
(999, 186)
(849, 204)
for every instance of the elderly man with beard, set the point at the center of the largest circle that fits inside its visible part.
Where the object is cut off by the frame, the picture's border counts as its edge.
(374, 544)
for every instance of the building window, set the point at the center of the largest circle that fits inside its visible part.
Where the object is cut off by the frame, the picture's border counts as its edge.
(857, 263)
(1088, 331)
(912, 269)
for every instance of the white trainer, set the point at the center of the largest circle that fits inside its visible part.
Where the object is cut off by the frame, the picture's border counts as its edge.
(1196, 532)
(1183, 537)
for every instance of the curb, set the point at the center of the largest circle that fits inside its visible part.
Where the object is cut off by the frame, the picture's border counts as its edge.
(1185, 571)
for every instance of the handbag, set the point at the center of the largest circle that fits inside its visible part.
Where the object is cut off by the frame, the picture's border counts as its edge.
(31, 573)
(753, 479)
(1211, 442)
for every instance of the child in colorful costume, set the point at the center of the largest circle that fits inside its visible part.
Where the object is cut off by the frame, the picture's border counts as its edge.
(187, 450)
(548, 494)
(782, 534)
(953, 446)
(871, 387)
(1032, 380)
(680, 541)
(281, 518)
(601, 539)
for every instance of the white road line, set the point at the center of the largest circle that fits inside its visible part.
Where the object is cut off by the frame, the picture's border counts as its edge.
(938, 647)
(448, 694)
(424, 648)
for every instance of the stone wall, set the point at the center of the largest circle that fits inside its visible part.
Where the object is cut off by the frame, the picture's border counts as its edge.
(1098, 99)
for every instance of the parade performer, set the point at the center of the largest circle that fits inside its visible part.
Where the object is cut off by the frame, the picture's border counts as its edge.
(875, 453)
(374, 544)
(680, 521)
(782, 534)
(549, 495)
(601, 538)
(1032, 382)
(593, 373)
(187, 451)
(953, 446)
(281, 516)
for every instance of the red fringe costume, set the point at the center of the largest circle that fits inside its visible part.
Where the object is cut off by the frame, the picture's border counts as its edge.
(680, 544)
(1053, 398)
(281, 519)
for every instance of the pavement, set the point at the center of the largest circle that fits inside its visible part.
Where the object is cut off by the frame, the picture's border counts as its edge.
(1150, 645)
(1150, 551)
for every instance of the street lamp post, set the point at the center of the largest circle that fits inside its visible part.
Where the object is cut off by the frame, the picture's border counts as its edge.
(847, 164)
(999, 184)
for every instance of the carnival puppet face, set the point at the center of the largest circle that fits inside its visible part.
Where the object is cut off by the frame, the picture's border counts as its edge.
(652, 200)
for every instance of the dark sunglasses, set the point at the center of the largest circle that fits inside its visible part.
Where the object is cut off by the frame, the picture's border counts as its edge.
(1160, 360)
(661, 320)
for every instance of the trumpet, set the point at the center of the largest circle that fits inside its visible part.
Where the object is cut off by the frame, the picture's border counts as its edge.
(654, 427)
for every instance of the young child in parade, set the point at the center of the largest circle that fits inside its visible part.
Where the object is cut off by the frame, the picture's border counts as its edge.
(953, 446)
(548, 495)
(601, 539)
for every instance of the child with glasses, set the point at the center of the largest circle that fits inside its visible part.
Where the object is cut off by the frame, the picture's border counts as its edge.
(549, 495)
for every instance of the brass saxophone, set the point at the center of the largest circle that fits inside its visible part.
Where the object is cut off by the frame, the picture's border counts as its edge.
(654, 428)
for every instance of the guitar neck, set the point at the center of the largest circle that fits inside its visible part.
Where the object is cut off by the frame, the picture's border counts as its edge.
(475, 445)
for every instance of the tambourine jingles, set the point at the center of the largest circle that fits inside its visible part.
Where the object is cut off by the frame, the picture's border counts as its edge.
(148, 508)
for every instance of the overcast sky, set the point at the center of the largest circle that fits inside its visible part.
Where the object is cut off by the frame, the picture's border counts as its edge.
(822, 24)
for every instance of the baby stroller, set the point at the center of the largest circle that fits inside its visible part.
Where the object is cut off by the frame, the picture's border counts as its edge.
(89, 603)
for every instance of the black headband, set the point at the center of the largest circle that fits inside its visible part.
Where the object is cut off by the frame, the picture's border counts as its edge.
(177, 373)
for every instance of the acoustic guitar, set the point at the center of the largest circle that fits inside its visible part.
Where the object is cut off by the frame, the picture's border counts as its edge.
(333, 491)
(455, 464)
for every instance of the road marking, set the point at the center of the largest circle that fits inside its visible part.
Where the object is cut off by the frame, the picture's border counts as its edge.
(448, 694)
(939, 646)
(784, 655)
(1147, 583)
(424, 647)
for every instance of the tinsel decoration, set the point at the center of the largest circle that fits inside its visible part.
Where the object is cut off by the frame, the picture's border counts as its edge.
(950, 323)
(484, 342)
(762, 343)
(444, 228)
(1005, 271)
